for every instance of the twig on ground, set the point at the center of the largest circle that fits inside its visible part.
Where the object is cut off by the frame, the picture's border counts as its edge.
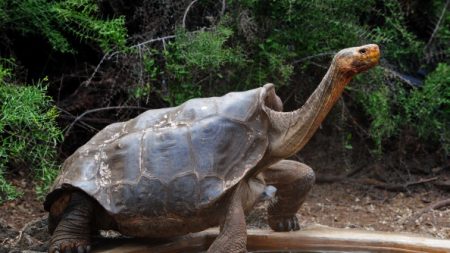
(372, 182)
(437, 205)
(327, 178)
(393, 187)
(432, 206)
(445, 185)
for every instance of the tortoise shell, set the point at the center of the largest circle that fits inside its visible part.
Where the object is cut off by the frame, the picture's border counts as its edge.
(173, 160)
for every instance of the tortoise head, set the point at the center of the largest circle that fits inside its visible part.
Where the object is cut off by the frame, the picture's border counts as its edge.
(292, 130)
(351, 61)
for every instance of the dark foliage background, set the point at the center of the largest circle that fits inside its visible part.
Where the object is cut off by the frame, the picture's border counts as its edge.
(70, 67)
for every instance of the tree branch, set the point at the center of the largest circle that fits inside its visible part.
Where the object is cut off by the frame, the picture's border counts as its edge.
(222, 11)
(186, 12)
(438, 24)
(98, 110)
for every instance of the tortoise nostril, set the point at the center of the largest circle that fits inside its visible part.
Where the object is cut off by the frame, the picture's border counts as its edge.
(363, 51)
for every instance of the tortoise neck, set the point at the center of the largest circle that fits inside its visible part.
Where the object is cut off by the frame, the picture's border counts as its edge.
(297, 127)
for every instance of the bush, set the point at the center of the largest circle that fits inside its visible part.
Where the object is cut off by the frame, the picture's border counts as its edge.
(394, 108)
(28, 133)
(193, 56)
(427, 108)
(55, 20)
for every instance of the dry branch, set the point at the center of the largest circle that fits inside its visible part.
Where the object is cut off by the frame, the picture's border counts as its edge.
(432, 206)
(98, 110)
(372, 182)
(438, 204)
(393, 187)
(443, 184)
(438, 24)
(186, 12)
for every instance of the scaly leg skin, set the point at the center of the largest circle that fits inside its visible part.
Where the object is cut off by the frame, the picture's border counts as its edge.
(293, 181)
(72, 234)
(233, 232)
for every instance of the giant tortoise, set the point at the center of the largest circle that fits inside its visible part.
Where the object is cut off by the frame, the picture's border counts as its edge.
(174, 171)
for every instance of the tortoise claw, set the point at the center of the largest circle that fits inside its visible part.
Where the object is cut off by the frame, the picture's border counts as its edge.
(69, 246)
(284, 223)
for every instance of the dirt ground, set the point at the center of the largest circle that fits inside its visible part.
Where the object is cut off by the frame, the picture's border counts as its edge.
(339, 204)
(347, 206)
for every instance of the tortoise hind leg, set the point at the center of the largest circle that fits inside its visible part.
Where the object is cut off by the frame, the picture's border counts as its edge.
(233, 231)
(73, 231)
(293, 181)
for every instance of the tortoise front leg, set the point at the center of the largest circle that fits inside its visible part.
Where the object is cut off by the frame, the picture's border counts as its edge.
(72, 233)
(233, 232)
(293, 181)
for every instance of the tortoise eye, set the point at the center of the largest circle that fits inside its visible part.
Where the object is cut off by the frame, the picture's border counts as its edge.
(363, 51)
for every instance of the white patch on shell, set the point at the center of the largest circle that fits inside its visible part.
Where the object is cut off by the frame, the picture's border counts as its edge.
(105, 172)
(204, 108)
(168, 124)
(124, 128)
(112, 138)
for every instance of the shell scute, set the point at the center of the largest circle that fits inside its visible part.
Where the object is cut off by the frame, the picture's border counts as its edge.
(166, 153)
(148, 119)
(198, 108)
(239, 105)
(108, 134)
(217, 143)
(152, 197)
(122, 198)
(183, 193)
(123, 156)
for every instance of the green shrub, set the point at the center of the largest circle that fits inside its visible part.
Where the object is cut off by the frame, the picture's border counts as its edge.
(194, 56)
(394, 108)
(427, 108)
(54, 20)
(28, 134)
(202, 50)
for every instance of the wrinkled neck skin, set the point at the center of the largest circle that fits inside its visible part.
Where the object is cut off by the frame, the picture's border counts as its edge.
(292, 130)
